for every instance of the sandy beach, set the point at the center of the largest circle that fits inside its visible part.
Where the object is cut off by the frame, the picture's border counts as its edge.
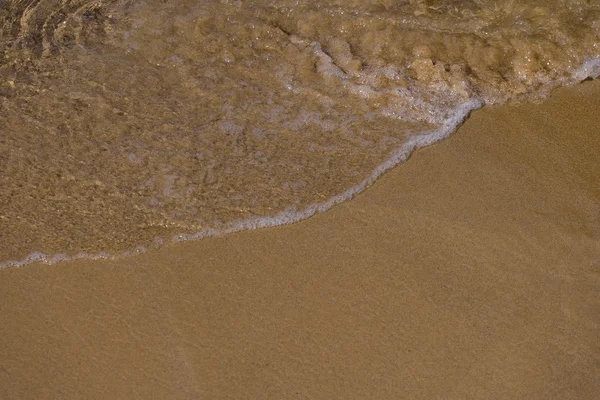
(470, 272)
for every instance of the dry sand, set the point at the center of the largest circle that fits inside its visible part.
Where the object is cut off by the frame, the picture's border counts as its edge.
(472, 271)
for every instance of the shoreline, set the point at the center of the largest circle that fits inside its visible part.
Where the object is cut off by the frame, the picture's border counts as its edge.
(469, 271)
(398, 157)
(590, 70)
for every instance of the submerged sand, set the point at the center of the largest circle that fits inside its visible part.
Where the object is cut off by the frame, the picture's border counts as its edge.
(471, 271)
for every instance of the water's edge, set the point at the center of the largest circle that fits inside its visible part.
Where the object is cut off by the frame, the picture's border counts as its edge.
(590, 69)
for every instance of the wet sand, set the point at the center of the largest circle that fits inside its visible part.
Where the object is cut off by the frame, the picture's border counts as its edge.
(471, 271)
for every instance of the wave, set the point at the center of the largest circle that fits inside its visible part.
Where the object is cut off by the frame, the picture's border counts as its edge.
(127, 123)
(589, 70)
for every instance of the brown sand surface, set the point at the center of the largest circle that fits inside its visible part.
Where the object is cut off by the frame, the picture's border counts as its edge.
(472, 271)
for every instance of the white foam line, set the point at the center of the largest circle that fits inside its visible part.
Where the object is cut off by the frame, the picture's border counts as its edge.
(285, 217)
(590, 69)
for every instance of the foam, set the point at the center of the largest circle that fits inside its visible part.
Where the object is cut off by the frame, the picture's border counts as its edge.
(590, 69)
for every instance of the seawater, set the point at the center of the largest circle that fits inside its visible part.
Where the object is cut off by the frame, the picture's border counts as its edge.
(128, 124)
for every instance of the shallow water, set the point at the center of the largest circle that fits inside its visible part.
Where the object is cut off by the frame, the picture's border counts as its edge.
(125, 125)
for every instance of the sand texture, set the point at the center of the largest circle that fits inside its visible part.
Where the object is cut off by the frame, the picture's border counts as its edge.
(470, 272)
